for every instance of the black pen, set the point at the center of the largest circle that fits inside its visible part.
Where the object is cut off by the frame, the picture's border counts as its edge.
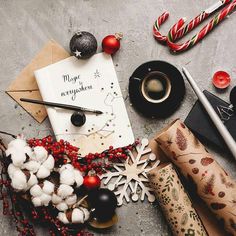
(59, 105)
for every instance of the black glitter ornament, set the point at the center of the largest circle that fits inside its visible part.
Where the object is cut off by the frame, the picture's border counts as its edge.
(104, 203)
(83, 44)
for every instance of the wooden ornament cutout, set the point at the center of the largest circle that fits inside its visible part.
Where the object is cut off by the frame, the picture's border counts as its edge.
(128, 179)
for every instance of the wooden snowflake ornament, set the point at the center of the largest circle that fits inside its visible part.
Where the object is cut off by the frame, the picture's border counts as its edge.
(129, 179)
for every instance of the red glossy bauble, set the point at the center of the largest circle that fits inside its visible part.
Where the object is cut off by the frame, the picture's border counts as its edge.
(111, 43)
(92, 182)
(221, 79)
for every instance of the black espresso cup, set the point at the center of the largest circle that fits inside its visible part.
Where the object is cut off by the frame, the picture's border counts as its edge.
(156, 89)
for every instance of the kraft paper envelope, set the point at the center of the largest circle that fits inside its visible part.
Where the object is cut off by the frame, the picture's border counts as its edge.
(25, 85)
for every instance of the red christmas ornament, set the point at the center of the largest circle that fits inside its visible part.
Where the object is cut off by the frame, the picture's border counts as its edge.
(221, 79)
(91, 182)
(111, 43)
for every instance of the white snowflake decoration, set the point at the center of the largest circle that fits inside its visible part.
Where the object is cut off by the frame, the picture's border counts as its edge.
(131, 176)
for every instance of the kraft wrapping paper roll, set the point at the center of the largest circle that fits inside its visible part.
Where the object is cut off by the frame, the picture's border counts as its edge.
(215, 187)
(175, 203)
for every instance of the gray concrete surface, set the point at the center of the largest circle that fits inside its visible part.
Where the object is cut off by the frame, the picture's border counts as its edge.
(26, 25)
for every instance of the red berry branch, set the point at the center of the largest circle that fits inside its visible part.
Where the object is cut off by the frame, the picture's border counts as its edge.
(56, 228)
(14, 203)
(63, 152)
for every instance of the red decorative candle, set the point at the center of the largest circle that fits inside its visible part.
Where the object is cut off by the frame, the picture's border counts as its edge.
(221, 79)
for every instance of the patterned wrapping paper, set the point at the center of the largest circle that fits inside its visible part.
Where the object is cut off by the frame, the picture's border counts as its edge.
(175, 203)
(215, 187)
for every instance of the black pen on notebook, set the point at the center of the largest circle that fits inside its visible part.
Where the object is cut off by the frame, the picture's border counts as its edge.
(63, 106)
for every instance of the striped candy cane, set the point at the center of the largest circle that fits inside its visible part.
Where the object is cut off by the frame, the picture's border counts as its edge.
(156, 27)
(197, 20)
(179, 30)
(204, 31)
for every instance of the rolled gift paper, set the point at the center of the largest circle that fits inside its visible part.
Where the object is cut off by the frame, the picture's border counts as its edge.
(215, 187)
(175, 202)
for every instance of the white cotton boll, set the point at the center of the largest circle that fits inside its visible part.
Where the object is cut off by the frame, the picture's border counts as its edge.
(48, 187)
(11, 170)
(18, 157)
(32, 181)
(36, 191)
(32, 166)
(28, 151)
(65, 190)
(67, 177)
(45, 199)
(19, 181)
(86, 213)
(17, 143)
(17, 152)
(77, 216)
(71, 200)
(62, 206)
(62, 217)
(66, 167)
(18, 185)
(56, 199)
(78, 178)
(9, 150)
(40, 154)
(49, 163)
(37, 201)
(43, 172)
(33, 157)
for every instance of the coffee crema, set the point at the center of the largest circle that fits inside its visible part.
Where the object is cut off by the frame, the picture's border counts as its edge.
(156, 87)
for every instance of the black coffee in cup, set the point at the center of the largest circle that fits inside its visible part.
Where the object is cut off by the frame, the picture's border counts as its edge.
(156, 87)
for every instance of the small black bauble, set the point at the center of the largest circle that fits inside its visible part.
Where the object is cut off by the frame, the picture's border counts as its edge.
(103, 215)
(233, 97)
(104, 203)
(83, 44)
(78, 119)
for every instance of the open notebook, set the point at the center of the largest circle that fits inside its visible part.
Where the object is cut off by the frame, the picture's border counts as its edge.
(91, 84)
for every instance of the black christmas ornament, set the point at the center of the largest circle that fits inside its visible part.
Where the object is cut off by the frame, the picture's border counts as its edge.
(104, 203)
(156, 89)
(78, 119)
(83, 44)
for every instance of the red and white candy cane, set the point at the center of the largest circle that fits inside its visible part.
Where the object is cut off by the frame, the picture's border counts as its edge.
(179, 30)
(156, 27)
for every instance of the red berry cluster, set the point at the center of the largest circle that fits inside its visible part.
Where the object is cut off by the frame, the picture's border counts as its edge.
(63, 151)
(100, 162)
(25, 228)
(4, 184)
(44, 215)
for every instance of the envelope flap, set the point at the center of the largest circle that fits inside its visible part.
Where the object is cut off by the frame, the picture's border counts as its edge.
(38, 112)
(51, 53)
